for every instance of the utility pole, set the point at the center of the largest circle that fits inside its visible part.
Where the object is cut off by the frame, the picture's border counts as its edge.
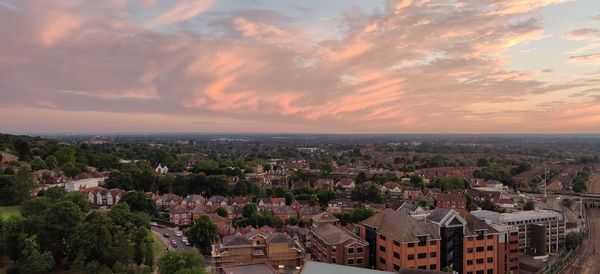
(545, 182)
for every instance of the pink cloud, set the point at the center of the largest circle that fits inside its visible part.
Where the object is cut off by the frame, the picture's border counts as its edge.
(58, 27)
(413, 66)
(181, 11)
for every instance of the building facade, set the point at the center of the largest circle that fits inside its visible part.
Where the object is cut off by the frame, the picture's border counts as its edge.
(540, 231)
(398, 240)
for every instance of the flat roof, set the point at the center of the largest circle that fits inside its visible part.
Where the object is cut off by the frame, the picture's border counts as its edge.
(496, 217)
(250, 269)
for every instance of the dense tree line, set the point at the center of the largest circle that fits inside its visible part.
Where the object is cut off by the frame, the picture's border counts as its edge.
(57, 229)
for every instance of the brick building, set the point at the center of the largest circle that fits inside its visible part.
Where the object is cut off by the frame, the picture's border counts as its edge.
(398, 240)
(332, 244)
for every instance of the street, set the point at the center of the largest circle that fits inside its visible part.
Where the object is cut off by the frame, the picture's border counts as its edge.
(181, 247)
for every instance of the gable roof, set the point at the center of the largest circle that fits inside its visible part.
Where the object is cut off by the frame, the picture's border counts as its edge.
(474, 224)
(332, 234)
(278, 238)
(235, 240)
(400, 226)
(446, 217)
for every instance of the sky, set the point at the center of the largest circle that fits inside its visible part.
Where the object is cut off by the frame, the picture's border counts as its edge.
(313, 66)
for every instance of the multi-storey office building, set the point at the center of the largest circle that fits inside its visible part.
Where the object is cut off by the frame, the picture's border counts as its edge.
(540, 231)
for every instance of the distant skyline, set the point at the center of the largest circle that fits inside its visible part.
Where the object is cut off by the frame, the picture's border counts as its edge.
(276, 66)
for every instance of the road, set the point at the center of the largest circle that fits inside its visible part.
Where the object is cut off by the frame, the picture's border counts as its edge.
(171, 231)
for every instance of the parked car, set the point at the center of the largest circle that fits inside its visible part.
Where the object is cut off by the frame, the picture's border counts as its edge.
(161, 226)
(184, 240)
(154, 224)
(178, 233)
(166, 235)
(174, 244)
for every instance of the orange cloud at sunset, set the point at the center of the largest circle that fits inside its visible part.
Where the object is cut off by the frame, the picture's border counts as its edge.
(269, 66)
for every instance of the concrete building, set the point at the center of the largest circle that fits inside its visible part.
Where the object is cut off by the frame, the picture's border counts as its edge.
(540, 231)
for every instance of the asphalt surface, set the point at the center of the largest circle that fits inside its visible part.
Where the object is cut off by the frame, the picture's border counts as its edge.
(181, 247)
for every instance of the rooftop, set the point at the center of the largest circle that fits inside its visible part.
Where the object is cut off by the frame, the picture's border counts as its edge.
(495, 217)
(320, 268)
(333, 234)
(250, 269)
(400, 226)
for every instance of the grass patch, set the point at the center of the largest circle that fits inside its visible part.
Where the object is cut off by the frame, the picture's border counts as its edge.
(158, 247)
(7, 211)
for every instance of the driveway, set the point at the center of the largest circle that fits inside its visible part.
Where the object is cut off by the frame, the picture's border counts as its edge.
(181, 247)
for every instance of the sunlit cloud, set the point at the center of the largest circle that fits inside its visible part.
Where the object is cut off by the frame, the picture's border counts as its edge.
(407, 66)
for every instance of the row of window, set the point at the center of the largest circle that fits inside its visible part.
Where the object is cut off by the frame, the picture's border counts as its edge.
(480, 261)
(480, 237)
(351, 250)
(480, 249)
(489, 271)
(422, 242)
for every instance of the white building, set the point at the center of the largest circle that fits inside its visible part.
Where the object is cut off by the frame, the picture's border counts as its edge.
(83, 183)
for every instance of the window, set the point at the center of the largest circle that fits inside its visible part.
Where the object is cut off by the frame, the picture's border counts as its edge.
(411, 257)
(350, 250)
(396, 243)
(422, 255)
(396, 267)
(359, 250)
(479, 261)
(422, 267)
(411, 244)
(382, 237)
(480, 235)
(333, 260)
(480, 249)
(432, 255)
(422, 241)
(490, 237)
(469, 239)
(359, 261)
(469, 262)
(396, 255)
(432, 267)
(490, 247)
(433, 242)
(382, 248)
(382, 260)
(350, 261)
(469, 272)
(490, 271)
(470, 250)
(333, 248)
(490, 259)
(479, 272)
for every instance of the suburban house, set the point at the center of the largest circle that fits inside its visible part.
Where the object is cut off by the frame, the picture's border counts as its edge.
(99, 196)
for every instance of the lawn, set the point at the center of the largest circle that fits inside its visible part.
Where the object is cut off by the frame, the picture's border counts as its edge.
(7, 211)
(158, 247)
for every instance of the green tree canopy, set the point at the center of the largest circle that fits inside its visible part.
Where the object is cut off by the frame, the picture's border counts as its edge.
(202, 234)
